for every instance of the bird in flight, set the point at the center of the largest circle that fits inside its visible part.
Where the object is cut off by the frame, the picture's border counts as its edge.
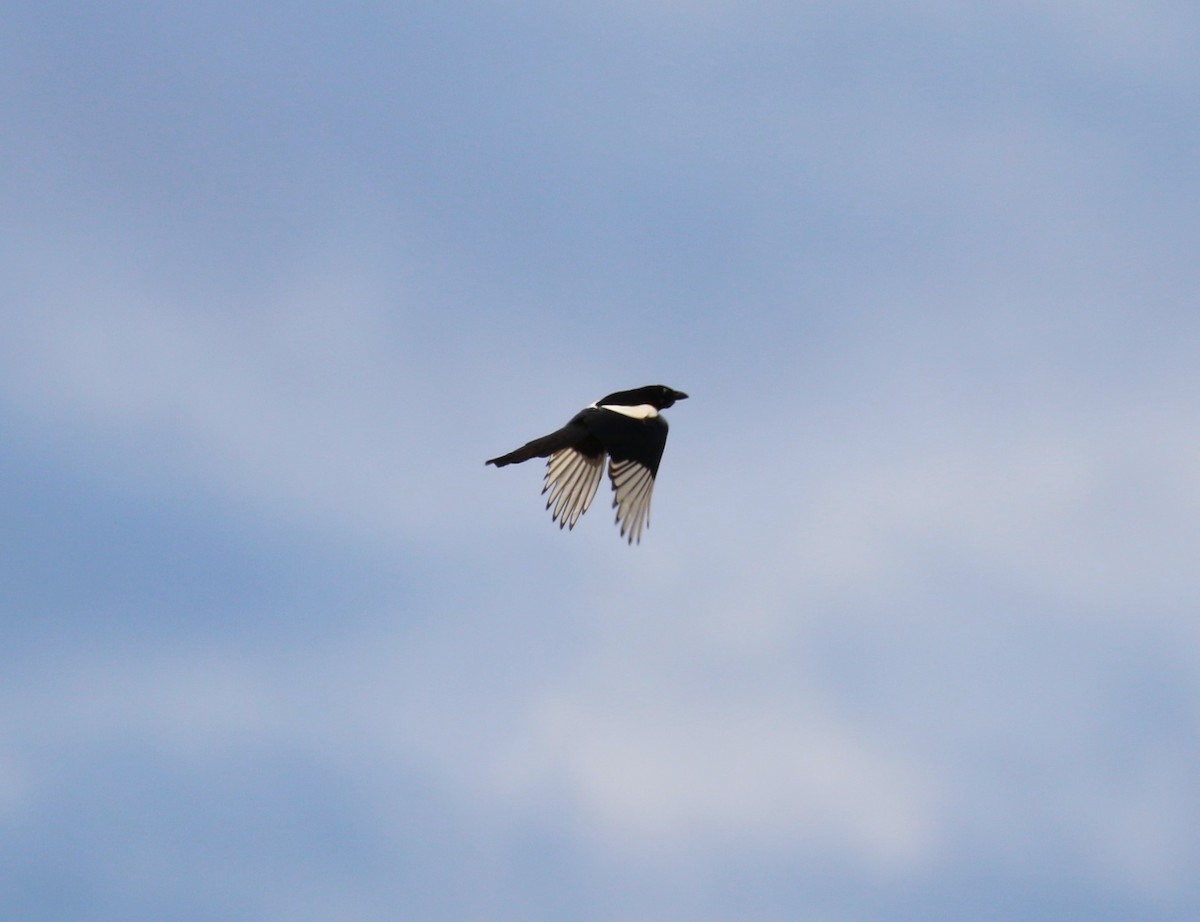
(628, 430)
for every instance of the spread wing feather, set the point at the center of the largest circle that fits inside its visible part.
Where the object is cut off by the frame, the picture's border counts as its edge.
(572, 478)
(633, 484)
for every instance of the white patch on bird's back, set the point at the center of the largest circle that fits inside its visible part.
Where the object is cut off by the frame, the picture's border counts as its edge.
(641, 411)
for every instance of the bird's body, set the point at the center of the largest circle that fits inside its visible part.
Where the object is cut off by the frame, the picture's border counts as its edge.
(625, 427)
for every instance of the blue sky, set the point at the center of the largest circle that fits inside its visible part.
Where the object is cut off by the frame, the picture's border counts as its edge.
(912, 634)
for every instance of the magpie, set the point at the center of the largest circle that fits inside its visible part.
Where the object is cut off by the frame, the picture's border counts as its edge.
(626, 428)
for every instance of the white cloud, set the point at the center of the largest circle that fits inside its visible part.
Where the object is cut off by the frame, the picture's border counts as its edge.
(312, 398)
(655, 769)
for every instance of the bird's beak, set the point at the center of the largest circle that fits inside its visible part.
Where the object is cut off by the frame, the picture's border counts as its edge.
(679, 395)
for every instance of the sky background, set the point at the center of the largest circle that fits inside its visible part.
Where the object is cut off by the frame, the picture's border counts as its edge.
(913, 634)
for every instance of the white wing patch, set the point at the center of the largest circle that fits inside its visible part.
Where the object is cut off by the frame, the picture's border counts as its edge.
(633, 483)
(571, 478)
(641, 411)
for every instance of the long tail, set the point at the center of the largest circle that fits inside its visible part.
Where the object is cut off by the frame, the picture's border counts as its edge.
(538, 448)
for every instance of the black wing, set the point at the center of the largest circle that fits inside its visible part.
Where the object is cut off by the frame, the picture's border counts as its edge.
(635, 448)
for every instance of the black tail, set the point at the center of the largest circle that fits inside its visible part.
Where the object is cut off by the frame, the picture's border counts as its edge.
(539, 448)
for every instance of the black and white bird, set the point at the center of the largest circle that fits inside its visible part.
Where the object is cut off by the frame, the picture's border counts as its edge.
(628, 430)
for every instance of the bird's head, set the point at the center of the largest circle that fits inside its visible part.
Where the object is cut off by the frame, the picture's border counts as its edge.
(666, 396)
(658, 396)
